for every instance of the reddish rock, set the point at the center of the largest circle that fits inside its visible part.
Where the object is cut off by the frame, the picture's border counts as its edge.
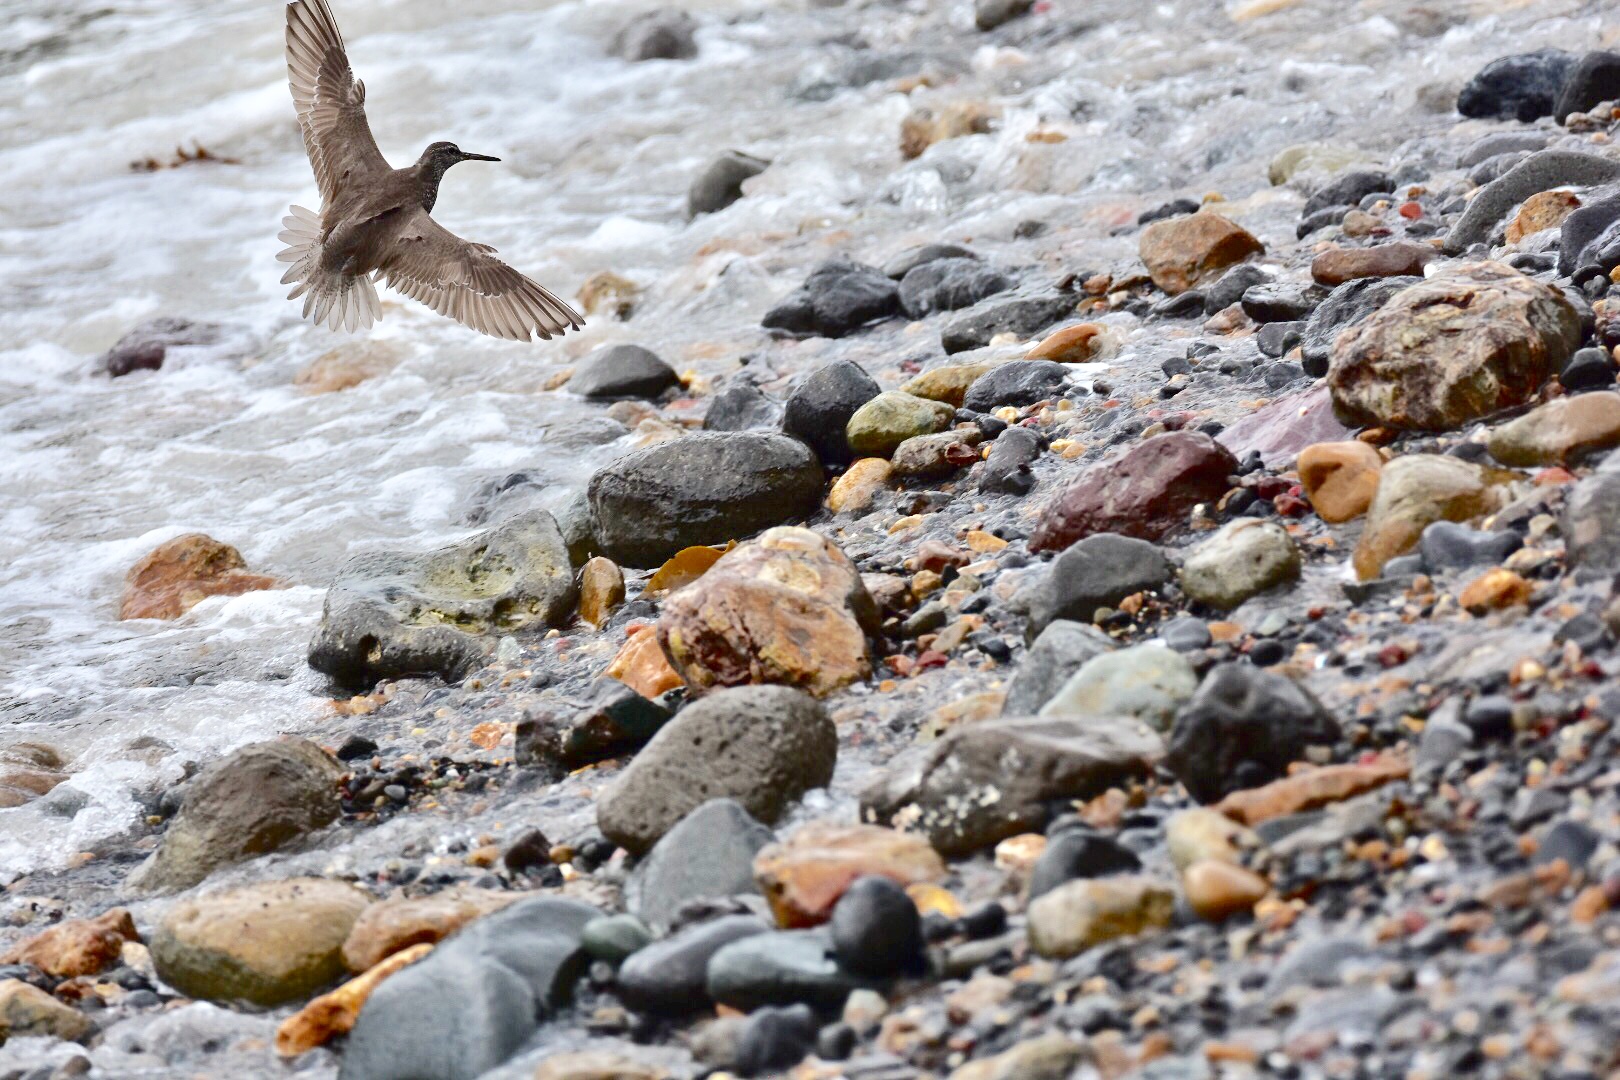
(388, 926)
(174, 577)
(803, 876)
(1403, 258)
(1183, 252)
(27, 771)
(1146, 493)
(1286, 426)
(642, 666)
(1311, 789)
(77, 947)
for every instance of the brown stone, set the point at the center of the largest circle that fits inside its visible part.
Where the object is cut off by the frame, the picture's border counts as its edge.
(1183, 252)
(399, 922)
(1217, 890)
(1080, 914)
(29, 1011)
(176, 576)
(1043, 1057)
(1543, 210)
(683, 568)
(1204, 834)
(1413, 493)
(1311, 789)
(1147, 492)
(595, 1065)
(601, 589)
(334, 1013)
(1340, 478)
(1495, 589)
(607, 293)
(1462, 345)
(1403, 258)
(787, 608)
(27, 771)
(1559, 432)
(642, 666)
(924, 126)
(77, 947)
(935, 457)
(853, 492)
(348, 366)
(803, 876)
(1071, 345)
(947, 384)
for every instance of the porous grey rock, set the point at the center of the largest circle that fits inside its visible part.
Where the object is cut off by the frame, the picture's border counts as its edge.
(709, 854)
(1096, 572)
(741, 406)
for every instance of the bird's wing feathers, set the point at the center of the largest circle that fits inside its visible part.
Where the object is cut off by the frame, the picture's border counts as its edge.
(465, 281)
(331, 101)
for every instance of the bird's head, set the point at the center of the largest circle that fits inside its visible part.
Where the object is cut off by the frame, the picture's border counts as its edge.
(442, 155)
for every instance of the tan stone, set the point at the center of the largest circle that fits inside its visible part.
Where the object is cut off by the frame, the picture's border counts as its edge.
(1311, 789)
(1043, 1057)
(1340, 478)
(1218, 890)
(607, 293)
(334, 1014)
(595, 1065)
(1414, 492)
(1080, 914)
(1077, 344)
(348, 366)
(601, 590)
(787, 608)
(1202, 834)
(27, 771)
(1185, 251)
(1495, 589)
(1559, 432)
(948, 384)
(925, 126)
(176, 576)
(77, 947)
(29, 1011)
(1543, 210)
(803, 876)
(853, 492)
(642, 666)
(1403, 258)
(399, 922)
(683, 568)
(978, 996)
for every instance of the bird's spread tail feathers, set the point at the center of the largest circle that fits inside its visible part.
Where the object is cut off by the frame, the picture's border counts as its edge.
(341, 301)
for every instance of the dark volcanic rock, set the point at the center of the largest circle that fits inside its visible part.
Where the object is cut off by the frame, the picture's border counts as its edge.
(819, 408)
(1539, 172)
(1347, 189)
(1146, 492)
(1060, 650)
(989, 14)
(1017, 382)
(1589, 239)
(1021, 315)
(1523, 87)
(838, 298)
(1007, 469)
(701, 489)
(1079, 853)
(671, 976)
(741, 406)
(948, 285)
(720, 183)
(993, 779)
(1277, 302)
(876, 931)
(608, 719)
(471, 1003)
(775, 1039)
(622, 371)
(709, 855)
(785, 967)
(1345, 306)
(1229, 288)
(390, 614)
(145, 347)
(1243, 728)
(763, 746)
(1595, 79)
(657, 35)
(1098, 571)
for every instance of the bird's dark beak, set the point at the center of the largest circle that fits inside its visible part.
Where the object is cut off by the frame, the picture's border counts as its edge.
(477, 157)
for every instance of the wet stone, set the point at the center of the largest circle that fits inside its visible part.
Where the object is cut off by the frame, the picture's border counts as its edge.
(1186, 634)
(176, 576)
(880, 425)
(608, 719)
(622, 371)
(1345, 306)
(741, 406)
(1561, 432)
(819, 408)
(657, 35)
(1081, 914)
(1017, 382)
(1148, 682)
(1098, 571)
(615, 938)
(1007, 468)
(146, 346)
(1595, 78)
(1181, 253)
(1414, 492)
(774, 1039)
(1588, 369)
(1229, 288)
(949, 285)
(1023, 315)
(720, 183)
(1402, 258)
(671, 976)
(1523, 87)
(876, 931)
(804, 875)
(1446, 545)
(1275, 302)
(784, 967)
(1079, 853)
(908, 260)
(708, 855)
(1060, 650)
(838, 298)
(1244, 559)
(1348, 188)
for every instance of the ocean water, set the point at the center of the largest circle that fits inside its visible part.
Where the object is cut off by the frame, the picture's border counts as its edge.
(1147, 101)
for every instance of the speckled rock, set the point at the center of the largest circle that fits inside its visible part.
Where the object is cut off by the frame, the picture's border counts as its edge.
(878, 427)
(1148, 682)
(1243, 559)
(1074, 917)
(1559, 432)
(1183, 252)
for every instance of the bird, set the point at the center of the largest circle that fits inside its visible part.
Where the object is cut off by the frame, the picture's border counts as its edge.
(375, 222)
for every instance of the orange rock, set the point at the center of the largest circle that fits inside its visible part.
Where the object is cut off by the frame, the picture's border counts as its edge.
(347, 366)
(1217, 890)
(948, 383)
(1399, 259)
(1182, 252)
(27, 771)
(642, 666)
(923, 127)
(1311, 789)
(1071, 345)
(601, 590)
(1543, 210)
(334, 1013)
(1340, 478)
(605, 292)
(176, 576)
(77, 947)
(803, 876)
(386, 927)
(1495, 589)
(853, 492)
(683, 568)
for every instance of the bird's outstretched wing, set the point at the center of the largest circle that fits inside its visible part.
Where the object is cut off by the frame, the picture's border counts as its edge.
(331, 101)
(465, 281)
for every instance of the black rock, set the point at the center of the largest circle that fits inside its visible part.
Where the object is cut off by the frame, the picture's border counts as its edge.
(657, 35)
(876, 931)
(1021, 315)
(622, 371)
(989, 14)
(741, 406)
(1017, 382)
(1489, 717)
(606, 720)
(1595, 79)
(1276, 338)
(530, 851)
(1079, 853)
(1186, 633)
(700, 489)
(985, 921)
(1345, 306)
(477, 998)
(146, 346)
(786, 967)
(1448, 546)
(670, 976)
(1243, 728)
(1570, 840)
(949, 285)
(1096, 572)
(1523, 87)
(1277, 302)
(838, 298)
(819, 408)
(720, 183)
(709, 855)
(1348, 189)
(1325, 218)
(1589, 239)
(1187, 305)
(1007, 468)
(1173, 208)
(907, 261)
(1060, 650)
(356, 747)
(1268, 652)
(772, 1040)
(1228, 289)
(836, 1042)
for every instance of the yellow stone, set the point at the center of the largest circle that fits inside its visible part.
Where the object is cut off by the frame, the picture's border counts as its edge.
(948, 384)
(601, 590)
(1218, 890)
(334, 1013)
(853, 492)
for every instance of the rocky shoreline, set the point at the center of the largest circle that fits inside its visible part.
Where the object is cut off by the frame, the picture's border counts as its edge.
(1190, 659)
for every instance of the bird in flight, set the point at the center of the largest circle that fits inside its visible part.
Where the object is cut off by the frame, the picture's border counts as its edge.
(375, 222)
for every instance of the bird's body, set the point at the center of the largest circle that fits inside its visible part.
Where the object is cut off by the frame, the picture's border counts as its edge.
(375, 221)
